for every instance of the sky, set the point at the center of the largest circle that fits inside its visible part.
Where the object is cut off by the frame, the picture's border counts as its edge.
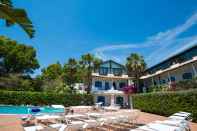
(109, 29)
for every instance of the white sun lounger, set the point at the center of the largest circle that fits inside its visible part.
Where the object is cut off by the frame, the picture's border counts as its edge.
(185, 113)
(158, 127)
(62, 128)
(90, 124)
(57, 125)
(112, 108)
(33, 128)
(58, 106)
(181, 114)
(177, 117)
(179, 123)
(46, 117)
(94, 115)
(75, 125)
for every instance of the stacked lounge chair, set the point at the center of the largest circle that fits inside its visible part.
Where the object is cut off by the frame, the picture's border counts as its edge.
(175, 122)
(181, 116)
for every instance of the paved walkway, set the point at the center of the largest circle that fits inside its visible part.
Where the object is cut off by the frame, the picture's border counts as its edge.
(10, 123)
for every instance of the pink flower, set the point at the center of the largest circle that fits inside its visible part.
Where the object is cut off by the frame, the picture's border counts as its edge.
(129, 89)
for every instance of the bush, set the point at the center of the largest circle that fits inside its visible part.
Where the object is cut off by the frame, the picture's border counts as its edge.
(18, 82)
(178, 86)
(167, 103)
(36, 98)
(156, 88)
(186, 84)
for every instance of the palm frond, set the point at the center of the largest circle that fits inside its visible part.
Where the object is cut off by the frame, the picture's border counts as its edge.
(6, 2)
(16, 16)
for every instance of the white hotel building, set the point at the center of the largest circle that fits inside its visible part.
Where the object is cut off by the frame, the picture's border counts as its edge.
(107, 84)
(182, 66)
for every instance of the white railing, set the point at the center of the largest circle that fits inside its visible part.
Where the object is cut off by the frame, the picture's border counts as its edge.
(95, 89)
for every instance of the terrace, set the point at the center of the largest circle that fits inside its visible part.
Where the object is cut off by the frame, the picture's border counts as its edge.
(85, 118)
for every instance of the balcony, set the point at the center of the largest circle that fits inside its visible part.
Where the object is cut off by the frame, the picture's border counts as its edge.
(110, 75)
(103, 88)
(102, 91)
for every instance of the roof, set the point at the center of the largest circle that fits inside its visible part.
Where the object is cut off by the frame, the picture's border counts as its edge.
(173, 56)
(170, 68)
(112, 61)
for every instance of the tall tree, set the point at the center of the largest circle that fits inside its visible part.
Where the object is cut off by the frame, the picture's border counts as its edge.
(96, 63)
(70, 72)
(52, 72)
(16, 58)
(52, 79)
(16, 16)
(89, 63)
(135, 65)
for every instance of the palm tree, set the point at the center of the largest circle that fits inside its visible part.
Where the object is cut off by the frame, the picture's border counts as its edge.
(96, 64)
(70, 72)
(15, 16)
(135, 66)
(89, 63)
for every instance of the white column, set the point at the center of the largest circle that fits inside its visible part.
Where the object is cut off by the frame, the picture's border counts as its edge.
(103, 84)
(152, 81)
(131, 102)
(117, 85)
(112, 100)
(125, 98)
(169, 79)
(194, 70)
(93, 85)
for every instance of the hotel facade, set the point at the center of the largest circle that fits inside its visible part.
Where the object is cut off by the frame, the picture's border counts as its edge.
(182, 66)
(108, 82)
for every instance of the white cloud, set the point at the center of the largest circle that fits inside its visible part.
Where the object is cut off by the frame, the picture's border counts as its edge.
(162, 40)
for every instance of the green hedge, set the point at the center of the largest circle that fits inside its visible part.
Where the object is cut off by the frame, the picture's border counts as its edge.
(167, 103)
(37, 98)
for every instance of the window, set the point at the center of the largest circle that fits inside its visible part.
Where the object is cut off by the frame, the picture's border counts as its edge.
(114, 85)
(107, 86)
(163, 81)
(117, 71)
(173, 79)
(119, 100)
(98, 84)
(187, 76)
(101, 99)
(155, 83)
(122, 84)
(103, 71)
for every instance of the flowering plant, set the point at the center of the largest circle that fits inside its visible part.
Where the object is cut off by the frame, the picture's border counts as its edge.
(129, 89)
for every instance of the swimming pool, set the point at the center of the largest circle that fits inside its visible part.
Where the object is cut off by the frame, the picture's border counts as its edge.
(25, 109)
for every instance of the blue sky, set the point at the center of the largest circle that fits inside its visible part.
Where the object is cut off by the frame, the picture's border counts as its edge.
(110, 29)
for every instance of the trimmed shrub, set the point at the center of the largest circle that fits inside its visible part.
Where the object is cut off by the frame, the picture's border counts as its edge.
(156, 88)
(167, 103)
(38, 98)
(186, 84)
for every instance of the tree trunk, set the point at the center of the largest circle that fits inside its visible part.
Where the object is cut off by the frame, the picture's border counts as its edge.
(89, 82)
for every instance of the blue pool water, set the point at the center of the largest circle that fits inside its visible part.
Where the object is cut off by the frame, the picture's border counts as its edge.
(26, 110)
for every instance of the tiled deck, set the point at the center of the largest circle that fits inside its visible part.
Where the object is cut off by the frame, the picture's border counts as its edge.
(12, 123)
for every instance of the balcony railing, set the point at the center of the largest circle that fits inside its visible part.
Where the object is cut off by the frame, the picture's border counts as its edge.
(95, 89)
